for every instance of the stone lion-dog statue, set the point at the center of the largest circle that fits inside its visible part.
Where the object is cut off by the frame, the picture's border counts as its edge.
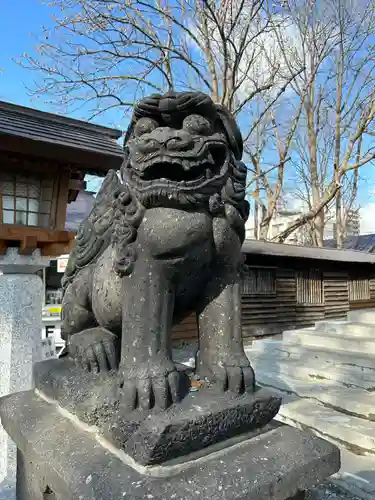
(163, 240)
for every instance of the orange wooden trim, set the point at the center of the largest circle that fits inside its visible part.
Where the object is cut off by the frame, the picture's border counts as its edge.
(57, 249)
(18, 233)
(62, 200)
(51, 244)
(28, 244)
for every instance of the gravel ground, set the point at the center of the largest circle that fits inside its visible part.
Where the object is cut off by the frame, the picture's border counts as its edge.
(329, 492)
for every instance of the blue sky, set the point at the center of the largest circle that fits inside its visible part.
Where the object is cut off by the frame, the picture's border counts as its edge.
(19, 20)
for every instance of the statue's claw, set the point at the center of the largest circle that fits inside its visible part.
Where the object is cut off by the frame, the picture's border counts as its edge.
(95, 350)
(232, 372)
(152, 384)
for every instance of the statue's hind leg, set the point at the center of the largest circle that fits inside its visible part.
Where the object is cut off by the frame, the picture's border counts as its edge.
(76, 313)
(93, 347)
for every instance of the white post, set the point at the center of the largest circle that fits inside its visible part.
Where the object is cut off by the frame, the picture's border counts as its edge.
(21, 300)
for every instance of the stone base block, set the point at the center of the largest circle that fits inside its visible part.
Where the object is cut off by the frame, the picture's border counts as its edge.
(60, 459)
(203, 418)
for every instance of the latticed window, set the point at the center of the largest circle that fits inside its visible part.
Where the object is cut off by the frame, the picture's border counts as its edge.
(309, 285)
(258, 281)
(359, 288)
(26, 199)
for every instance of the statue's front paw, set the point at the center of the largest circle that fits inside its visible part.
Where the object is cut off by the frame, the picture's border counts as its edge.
(95, 350)
(152, 384)
(232, 372)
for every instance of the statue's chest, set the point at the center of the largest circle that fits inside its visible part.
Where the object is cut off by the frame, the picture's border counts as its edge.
(173, 232)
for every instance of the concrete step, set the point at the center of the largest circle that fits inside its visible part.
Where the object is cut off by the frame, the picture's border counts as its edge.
(315, 338)
(356, 402)
(357, 472)
(357, 475)
(362, 316)
(313, 369)
(346, 328)
(354, 434)
(356, 361)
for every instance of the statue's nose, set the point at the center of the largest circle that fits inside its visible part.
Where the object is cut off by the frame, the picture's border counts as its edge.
(165, 138)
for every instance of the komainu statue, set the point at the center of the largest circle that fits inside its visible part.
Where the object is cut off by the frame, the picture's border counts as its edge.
(115, 417)
(163, 239)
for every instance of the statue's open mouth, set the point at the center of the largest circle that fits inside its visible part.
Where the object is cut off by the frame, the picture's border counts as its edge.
(182, 170)
(178, 170)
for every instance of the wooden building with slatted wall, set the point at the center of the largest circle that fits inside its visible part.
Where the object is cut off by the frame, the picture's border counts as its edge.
(286, 287)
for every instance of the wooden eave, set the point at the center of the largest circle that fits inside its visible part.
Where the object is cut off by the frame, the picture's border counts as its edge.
(91, 148)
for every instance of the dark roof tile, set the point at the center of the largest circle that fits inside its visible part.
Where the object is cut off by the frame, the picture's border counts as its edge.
(362, 243)
(46, 127)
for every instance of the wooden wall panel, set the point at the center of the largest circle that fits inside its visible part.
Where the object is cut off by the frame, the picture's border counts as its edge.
(365, 304)
(186, 330)
(269, 315)
(336, 295)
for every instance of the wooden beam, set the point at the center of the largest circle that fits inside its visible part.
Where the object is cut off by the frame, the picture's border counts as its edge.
(18, 233)
(62, 200)
(28, 244)
(57, 249)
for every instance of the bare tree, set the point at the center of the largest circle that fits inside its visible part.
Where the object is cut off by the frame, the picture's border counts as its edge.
(334, 46)
(109, 53)
(269, 152)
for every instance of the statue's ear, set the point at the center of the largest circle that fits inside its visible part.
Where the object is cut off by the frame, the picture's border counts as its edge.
(232, 130)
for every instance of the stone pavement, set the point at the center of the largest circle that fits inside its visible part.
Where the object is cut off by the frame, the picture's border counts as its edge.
(329, 492)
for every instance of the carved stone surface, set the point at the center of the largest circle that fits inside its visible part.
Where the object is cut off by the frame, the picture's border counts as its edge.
(59, 458)
(203, 418)
(115, 417)
(162, 240)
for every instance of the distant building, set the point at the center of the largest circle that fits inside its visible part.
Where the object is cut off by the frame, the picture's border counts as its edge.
(280, 221)
(352, 228)
(302, 235)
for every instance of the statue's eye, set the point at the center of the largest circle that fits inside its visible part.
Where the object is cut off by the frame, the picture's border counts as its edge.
(197, 124)
(145, 126)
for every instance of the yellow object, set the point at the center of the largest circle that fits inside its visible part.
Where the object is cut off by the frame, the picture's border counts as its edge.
(55, 309)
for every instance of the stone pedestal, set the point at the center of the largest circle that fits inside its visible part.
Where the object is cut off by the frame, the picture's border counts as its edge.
(20, 335)
(62, 459)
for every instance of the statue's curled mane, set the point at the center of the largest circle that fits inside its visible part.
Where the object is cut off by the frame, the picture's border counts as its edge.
(119, 208)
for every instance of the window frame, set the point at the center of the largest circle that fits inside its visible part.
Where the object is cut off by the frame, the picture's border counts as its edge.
(44, 188)
(309, 287)
(262, 290)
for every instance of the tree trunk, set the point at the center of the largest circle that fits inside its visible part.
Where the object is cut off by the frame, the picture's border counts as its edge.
(313, 167)
(339, 221)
